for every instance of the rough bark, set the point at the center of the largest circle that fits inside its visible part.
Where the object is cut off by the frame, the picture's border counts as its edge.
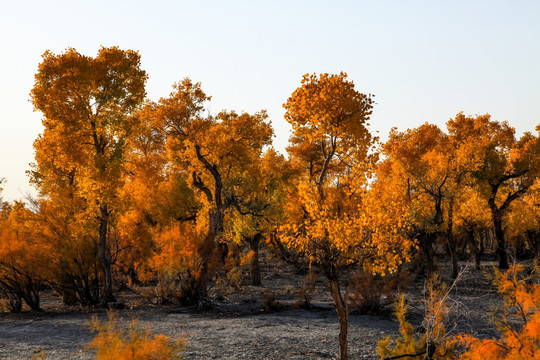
(343, 316)
(69, 292)
(205, 251)
(428, 239)
(105, 257)
(215, 223)
(498, 212)
(533, 237)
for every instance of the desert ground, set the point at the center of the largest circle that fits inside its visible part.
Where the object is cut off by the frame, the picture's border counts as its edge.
(237, 325)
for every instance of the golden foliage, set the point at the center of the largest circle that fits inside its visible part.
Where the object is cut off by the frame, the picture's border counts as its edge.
(434, 342)
(521, 294)
(328, 105)
(114, 343)
(330, 217)
(86, 103)
(216, 153)
(25, 259)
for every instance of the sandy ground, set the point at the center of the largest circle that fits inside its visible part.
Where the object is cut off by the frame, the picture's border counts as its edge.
(297, 334)
(237, 327)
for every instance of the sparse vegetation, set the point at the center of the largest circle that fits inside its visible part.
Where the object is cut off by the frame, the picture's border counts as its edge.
(113, 342)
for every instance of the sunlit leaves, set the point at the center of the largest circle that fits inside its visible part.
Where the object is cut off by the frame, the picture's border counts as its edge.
(330, 216)
(86, 103)
(114, 343)
(518, 322)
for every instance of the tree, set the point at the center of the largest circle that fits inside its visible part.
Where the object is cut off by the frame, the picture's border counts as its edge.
(63, 223)
(213, 151)
(153, 198)
(433, 170)
(461, 164)
(86, 102)
(524, 223)
(417, 163)
(330, 219)
(473, 221)
(508, 167)
(262, 189)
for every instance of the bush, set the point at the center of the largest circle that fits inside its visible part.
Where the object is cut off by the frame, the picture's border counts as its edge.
(433, 341)
(24, 261)
(372, 294)
(114, 343)
(174, 265)
(518, 321)
(305, 293)
(270, 302)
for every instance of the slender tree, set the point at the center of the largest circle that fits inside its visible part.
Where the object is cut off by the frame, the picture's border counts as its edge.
(330, 219)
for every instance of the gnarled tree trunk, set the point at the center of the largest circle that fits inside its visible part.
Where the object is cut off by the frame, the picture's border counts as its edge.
(205, 251)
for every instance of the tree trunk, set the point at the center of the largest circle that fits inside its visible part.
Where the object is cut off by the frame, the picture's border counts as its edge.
(205, 251)
(534, 242)
(426, 244)
(31, 294)
(499, 235)
(199, 291)
(342, 311)
(475, 248)
(484, 235)
(254, 265)
(105, 257)
(69, 293)
(452, 248)
(429, 255)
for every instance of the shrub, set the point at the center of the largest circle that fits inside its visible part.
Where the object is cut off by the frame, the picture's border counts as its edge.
(305, 293)
(114, 343)
(270, 302)
(174, 265)
(24, 260)
(372, 294)
(518, 320)
(433, 342)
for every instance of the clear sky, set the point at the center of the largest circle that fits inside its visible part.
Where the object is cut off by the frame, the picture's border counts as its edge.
(424, 60)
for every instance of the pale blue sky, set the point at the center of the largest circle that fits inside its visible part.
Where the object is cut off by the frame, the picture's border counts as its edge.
(424, 60)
